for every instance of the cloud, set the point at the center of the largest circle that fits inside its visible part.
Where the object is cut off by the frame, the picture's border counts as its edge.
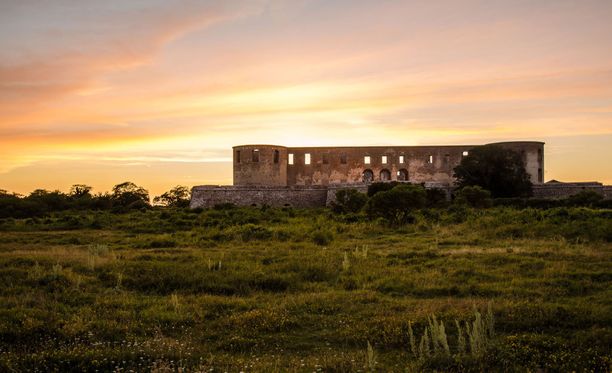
(73, 46)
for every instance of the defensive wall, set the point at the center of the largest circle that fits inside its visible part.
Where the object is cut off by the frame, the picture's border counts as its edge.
(280, 176)
(557, 190)
(318, 196)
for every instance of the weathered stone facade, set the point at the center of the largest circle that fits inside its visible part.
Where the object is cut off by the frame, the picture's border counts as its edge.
(557, 190)
(310, 176)
(278, 196)
(274, 165)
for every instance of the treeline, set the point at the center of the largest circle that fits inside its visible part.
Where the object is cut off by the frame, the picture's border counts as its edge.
(123, 197)
(396, 202)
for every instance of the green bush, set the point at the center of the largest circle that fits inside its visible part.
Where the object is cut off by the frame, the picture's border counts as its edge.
(322, 237)
(348, 201)
(396, 205)
(474, 196)
(436, 197)
(250, 232)
(586, 198)
(381, 187)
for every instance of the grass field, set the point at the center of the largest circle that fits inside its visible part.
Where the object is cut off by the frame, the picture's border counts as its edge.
(255, 289)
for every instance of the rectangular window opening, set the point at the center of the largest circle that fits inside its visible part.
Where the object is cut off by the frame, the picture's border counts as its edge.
(430, 159)
(366, 159)
(325, 158)
(307, 158)
(401, 159)
(465, 153)
(237, 156)
(384, 159)
(276, 156)
(290, 158)
(343, 158)
(255, 155)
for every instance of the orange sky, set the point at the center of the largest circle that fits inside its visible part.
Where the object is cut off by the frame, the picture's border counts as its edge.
(157, 92)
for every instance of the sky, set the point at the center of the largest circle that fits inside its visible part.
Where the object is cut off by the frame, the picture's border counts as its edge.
(157, 92)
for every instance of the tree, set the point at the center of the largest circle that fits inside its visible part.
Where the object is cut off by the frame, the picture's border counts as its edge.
(494, 168)
(397, 204)
(380, 187)
(348, 201)
(178, 196)
(80, 191)
(49, 201)
(474, 196)
(130, 195)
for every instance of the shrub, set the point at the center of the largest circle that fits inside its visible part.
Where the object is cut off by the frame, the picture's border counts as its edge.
(322, 237)
(348, 201)
(586, 198)
(175, 197)
(381, 187)
(543, 203)
(516, 202)
(250, 232)
(129, 195)
(436, 197)
(395, 205)
(474, 196)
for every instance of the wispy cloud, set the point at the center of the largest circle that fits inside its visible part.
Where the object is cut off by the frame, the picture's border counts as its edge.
(151, 82)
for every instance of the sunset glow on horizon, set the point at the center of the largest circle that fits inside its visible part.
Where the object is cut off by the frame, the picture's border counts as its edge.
(157, 92)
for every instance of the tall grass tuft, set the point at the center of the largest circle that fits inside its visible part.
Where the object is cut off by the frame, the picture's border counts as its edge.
(370, 358)
(174, 301)
(412, 341)
(460, 338)
(424, 351)
(346, 263)
(434, 341)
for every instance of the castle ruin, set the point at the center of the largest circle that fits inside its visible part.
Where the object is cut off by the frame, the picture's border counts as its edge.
(276, 175)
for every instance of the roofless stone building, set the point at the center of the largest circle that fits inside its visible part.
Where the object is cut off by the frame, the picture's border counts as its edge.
(274, 165)
(276, 175)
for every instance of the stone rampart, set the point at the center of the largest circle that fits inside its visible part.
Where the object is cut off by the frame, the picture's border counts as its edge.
(318, 196)
(209, 196)
(562, 190)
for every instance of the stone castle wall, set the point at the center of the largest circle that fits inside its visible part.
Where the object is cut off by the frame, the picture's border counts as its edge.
(320, 196)
(563, 190)
(280, 176)
(209, 196)
(275, 165)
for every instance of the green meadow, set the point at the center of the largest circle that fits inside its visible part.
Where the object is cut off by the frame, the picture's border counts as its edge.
(289, 290)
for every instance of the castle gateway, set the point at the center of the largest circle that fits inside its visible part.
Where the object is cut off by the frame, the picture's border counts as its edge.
(276, 175)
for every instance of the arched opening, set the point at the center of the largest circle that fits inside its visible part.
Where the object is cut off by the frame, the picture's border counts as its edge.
(368, 176)
(385, 175)
(402, 175)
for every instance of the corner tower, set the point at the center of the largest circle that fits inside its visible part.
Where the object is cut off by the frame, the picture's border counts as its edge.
(260, 165)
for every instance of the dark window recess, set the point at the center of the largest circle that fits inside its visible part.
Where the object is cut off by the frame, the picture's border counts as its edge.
(343, 158)
(255, 155)
(237, 156)
(325, 158)
(276, 156)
